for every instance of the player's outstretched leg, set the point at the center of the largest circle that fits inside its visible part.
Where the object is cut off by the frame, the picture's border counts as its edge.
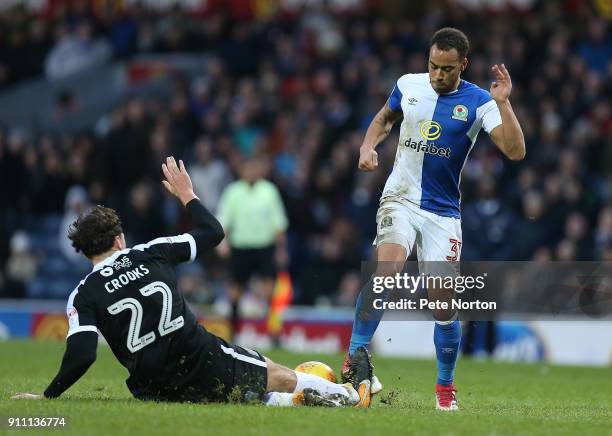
(286, 387)
(390, 259)
(447, 338)
(364, 325)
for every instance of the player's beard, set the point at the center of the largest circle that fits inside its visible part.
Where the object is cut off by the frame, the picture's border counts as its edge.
(443, 87)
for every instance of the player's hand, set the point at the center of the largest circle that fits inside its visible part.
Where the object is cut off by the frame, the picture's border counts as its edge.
(368, 159)
(26, 396)
(502, 86)
(178, 182)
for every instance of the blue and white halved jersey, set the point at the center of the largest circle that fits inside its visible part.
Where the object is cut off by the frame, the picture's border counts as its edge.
(436, 137)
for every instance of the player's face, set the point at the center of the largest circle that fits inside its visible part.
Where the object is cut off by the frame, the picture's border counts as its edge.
(445, 67)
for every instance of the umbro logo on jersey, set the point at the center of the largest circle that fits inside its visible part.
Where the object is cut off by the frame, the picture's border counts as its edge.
(412, 101)
(123, 263)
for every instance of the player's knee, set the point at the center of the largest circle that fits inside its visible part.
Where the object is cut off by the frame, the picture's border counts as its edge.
(391, 253)
(390, 259)
(444, 314)
(280, 378)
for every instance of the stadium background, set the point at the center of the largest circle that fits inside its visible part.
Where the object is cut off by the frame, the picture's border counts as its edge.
(94, 94)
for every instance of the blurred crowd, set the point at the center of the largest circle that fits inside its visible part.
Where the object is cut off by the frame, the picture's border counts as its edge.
(298, 90)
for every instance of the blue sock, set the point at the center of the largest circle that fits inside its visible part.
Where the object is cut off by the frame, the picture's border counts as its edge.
(366, 318)
(447, 338)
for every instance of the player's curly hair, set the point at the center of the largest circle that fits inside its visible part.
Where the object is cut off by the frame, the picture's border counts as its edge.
(94, 232)
(448, 38)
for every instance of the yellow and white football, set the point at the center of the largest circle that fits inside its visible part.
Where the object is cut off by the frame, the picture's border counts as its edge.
(317, 368)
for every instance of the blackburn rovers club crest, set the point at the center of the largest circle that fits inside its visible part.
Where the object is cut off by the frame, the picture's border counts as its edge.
(460, 113)
(386, 222)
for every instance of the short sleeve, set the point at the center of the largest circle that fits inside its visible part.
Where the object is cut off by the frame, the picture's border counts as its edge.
(395, 99)
(175, 249)
(81, 314)
(490, 116)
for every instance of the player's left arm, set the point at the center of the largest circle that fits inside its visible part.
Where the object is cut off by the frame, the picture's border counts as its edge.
(508, 136)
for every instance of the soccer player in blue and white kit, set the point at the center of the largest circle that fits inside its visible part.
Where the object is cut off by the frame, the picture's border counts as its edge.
(442, 115)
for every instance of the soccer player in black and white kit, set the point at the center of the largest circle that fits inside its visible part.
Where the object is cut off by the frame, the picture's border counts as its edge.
(130, 297)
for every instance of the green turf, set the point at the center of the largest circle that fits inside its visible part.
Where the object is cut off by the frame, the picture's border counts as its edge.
(495, 398)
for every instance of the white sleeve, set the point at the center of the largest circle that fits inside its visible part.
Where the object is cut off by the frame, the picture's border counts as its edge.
(180, 248)
(81, 316)
(490, 116)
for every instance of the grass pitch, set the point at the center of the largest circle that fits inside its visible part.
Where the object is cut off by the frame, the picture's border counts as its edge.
(495, 398)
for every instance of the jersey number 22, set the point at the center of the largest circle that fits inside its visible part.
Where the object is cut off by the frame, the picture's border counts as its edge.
(166, 324)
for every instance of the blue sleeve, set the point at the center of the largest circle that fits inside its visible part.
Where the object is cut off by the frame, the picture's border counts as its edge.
(395, 99)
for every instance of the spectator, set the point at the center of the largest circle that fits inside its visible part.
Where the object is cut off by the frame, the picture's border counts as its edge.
(534, 229)
(76, 203)
(75, 51)
(209, 174)
(488, 226)
(142, 218)
(603, 232)
(21, 266)
(576, 231)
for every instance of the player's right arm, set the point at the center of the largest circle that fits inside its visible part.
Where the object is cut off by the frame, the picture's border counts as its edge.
(208, 232)
(377, 132)
(81, 345)
(79, 355)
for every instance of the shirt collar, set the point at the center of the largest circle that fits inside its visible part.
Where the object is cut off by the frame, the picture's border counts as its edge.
(461, 82)
(109, 259)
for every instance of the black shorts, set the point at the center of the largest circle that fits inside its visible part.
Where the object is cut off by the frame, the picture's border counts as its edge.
(234, 374)
(211, 370)
(247, 262)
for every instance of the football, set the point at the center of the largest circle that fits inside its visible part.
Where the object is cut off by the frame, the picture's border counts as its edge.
(317, 368)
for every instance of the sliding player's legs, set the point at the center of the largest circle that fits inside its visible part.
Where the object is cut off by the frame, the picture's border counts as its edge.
(439, 251)
(286, 387)
(216, 371)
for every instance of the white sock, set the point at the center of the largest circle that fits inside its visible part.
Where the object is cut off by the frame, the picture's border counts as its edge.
(279, 399)
(322, 385)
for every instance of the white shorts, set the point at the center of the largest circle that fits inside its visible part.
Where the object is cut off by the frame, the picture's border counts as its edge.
(437, 238)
